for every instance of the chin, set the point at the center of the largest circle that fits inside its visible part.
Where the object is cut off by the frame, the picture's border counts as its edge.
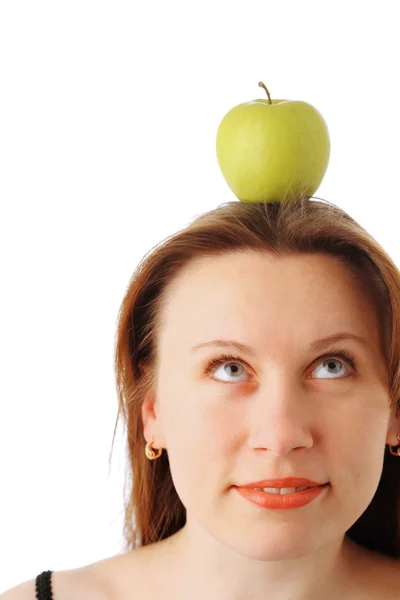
(269, 542)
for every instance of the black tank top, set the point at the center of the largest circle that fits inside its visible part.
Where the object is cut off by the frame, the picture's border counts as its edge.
(43, 586)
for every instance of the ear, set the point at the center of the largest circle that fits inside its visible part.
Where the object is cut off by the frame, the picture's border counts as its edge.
(394, 425)
(149, 415)
(151, 419)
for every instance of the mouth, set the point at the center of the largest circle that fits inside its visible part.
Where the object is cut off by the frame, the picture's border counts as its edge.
(283, 483)
(282, 490)
(281, 498)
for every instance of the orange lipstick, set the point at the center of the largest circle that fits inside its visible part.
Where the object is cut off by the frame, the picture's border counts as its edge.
(281, 501)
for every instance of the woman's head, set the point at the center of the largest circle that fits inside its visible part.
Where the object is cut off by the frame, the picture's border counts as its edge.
(277, 278)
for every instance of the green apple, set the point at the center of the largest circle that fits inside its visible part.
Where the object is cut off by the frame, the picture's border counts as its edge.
(269, 150)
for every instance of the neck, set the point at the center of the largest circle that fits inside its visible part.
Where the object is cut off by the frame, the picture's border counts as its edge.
(210, 569)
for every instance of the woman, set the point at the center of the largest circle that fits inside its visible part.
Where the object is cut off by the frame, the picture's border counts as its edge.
(260, 343)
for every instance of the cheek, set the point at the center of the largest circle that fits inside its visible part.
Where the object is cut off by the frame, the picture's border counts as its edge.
(198, 439)
(199, 426)
(356, 447)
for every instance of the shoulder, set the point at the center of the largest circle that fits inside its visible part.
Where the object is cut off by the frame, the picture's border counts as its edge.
(381, 577)
(389, 578)
(23, 591)
(101, 580)
(80, 584)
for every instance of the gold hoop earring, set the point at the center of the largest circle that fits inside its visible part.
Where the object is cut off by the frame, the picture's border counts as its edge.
(397, 452)
(151, 455)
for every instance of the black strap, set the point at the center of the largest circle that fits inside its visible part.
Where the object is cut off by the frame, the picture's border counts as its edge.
(43, 586)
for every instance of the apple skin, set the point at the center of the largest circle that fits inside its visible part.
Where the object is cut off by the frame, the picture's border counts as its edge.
(270, 152)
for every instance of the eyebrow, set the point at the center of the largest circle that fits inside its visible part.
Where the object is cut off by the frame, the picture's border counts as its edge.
(317, 345)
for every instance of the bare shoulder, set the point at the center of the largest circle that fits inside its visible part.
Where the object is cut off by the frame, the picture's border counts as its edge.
(78, 584)
(389, 578)
(132, 574)
(23, 591)
(381, 577)
(111, 578)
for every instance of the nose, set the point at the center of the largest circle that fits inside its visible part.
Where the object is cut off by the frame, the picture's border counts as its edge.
(280, 419)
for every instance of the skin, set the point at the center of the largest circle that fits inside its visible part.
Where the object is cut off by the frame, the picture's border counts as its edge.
(283, 412)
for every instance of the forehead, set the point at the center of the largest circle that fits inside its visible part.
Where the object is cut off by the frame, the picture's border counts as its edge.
(247, 294)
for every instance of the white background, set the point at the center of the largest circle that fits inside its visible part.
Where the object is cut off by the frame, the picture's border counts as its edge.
(108, 117)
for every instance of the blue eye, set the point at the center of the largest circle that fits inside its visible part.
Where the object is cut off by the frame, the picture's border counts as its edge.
(233, 368)
(329, 361)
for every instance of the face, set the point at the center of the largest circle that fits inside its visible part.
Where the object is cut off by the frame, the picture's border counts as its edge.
(284, 410)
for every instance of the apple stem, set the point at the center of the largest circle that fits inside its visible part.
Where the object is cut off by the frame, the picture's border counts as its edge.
(263, 86)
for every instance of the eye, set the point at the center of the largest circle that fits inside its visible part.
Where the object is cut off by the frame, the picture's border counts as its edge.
(233, 366)
(334, 366)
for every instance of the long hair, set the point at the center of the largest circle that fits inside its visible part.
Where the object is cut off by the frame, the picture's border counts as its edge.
(152, 508)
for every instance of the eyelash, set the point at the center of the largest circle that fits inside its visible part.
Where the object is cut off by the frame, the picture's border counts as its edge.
(335, 353)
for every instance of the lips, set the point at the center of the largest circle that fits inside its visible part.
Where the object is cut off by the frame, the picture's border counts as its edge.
(282, 483)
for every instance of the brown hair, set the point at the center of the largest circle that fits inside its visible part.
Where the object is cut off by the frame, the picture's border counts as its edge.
(153, 509)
